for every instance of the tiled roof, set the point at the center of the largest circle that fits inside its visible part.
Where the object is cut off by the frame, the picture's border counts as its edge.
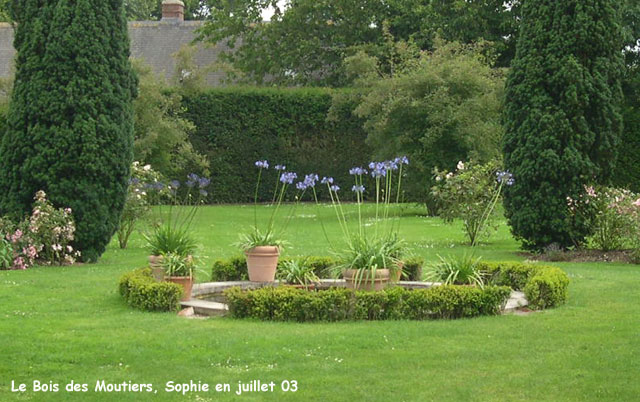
(152, 41)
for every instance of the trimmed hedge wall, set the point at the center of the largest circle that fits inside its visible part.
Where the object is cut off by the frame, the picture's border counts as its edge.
(290, 304)
(235, 268)
(140, 290)
(544, 286)
(237, 126)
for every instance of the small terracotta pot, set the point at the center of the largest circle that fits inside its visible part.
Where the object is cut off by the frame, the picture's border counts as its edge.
(398, 274)
(186, 282)
(366, 282)
(262, 262)
(157, 270)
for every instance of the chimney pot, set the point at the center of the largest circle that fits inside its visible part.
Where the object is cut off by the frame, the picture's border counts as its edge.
(172, 10)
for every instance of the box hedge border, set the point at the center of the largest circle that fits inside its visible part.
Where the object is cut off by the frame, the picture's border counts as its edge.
(140, 290)
(337, 304)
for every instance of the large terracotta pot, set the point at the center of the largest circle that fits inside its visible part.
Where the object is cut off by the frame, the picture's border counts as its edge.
(366, 281)
(262, 262)
(186, 282)
(157, 270)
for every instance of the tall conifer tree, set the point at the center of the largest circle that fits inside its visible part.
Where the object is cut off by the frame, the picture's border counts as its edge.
(562, 119)
(70, 121)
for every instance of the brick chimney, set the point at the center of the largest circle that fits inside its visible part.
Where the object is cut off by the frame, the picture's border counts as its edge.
(173, 10)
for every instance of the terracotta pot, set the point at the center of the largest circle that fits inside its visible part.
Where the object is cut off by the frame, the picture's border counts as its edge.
(262, 262)
(366, 282)
(186, 282)
(397, 277)
(157, 270)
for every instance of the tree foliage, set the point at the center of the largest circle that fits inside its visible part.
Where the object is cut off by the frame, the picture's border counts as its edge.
(306, 40)
(562, 120)
(70, 120)
(161, 133)
(438, 107)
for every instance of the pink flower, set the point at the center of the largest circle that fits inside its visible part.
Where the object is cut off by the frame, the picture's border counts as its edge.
(18, 263)
(637, 203)
(591, 192)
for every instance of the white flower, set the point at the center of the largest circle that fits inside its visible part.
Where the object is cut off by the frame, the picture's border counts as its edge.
(70, 249)
(460, 165)
(449, 175)
(146, 168)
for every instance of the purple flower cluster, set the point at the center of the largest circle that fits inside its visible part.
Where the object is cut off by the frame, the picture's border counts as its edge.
(335, 188)
(277, 167)
(288, 177)
(357, 171)
(195, 180)
(262, 164)
(358, 189)
(327, 180)
(308, 182)
(505, 177)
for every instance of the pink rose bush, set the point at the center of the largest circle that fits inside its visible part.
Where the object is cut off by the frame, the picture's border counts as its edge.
(613, 215)
(45, 237)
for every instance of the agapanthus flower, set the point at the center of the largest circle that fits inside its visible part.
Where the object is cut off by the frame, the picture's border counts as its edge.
(310, 180)
(301, 185)
(327, 180)
(505, 177)
(203, 182)
(262, 164)
(357, 171)
(378, 170)
(192, 179)
(280, 167)
(134, 181)
(391, 165)
(358, 189)
(174, 184)
(288, 177)
(335, 188)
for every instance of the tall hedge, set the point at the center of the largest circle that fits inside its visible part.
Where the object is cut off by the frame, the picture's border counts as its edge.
(237, 126)
(562, 119)
(70, 120)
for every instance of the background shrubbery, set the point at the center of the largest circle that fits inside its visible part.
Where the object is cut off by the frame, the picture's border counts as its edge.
(236, 126)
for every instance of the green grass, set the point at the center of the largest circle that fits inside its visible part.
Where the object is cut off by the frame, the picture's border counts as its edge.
(68, 323)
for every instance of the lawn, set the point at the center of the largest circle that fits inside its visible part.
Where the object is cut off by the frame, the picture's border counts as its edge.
(64, 324)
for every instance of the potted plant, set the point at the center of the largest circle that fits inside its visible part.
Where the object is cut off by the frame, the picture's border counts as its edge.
(374, 252)
(370, 263)
(165, 240)
(170, 234)
(298, 273)
(262, 247)
(179, 269)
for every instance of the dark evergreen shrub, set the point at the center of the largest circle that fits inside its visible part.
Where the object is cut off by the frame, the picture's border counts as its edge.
(237, 126)
(70, 120)
(562, 119)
